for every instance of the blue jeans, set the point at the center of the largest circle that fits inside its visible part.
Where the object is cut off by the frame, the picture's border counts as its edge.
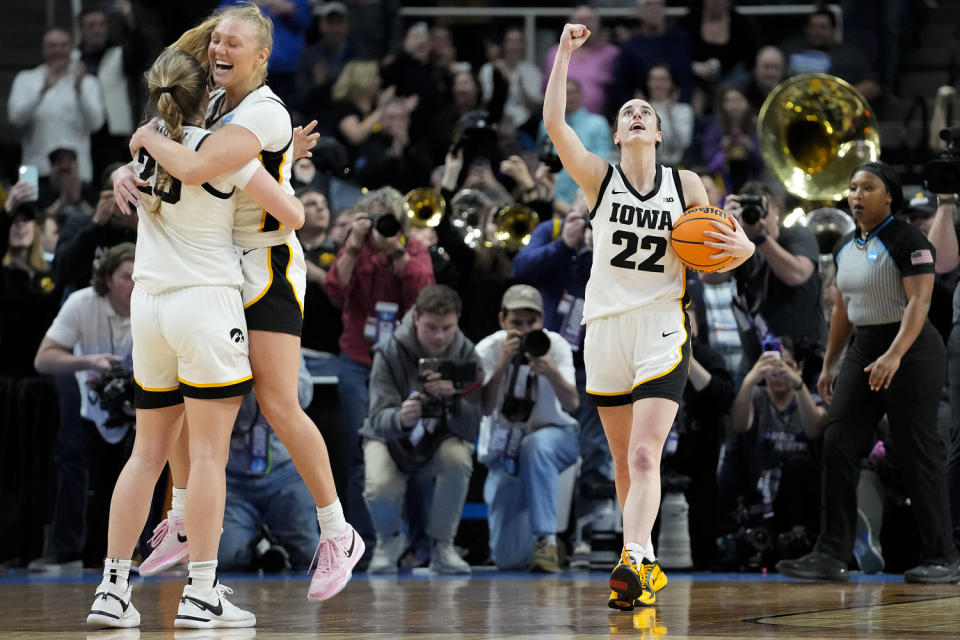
(524, 507)
(280, 500)
(321, 363)
(354, 405)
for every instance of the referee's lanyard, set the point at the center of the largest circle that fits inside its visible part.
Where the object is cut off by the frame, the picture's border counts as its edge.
(862, 243)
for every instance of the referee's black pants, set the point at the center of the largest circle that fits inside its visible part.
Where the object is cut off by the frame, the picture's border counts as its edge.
(911, 408)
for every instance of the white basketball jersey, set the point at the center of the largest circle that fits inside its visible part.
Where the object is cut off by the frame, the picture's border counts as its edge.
(264, 115)
(189, 242)
(633, 262)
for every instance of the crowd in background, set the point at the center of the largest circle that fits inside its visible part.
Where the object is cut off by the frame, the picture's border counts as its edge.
(400, 105)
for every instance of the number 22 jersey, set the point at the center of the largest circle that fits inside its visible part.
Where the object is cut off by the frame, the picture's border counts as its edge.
(633, 262)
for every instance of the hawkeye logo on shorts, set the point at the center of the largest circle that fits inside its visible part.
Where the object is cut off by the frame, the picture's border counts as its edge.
(236, 335)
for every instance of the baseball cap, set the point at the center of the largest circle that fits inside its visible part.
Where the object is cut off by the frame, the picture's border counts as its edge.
(522, 296)
(920, 203)
(329, 8)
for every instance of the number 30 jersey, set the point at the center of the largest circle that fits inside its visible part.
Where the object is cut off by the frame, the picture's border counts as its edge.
(633, 262)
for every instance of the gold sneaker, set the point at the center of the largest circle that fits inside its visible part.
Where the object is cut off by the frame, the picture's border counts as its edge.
(630, 584)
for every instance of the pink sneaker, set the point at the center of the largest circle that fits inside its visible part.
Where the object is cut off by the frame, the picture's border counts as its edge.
(169, 544)
(335, 558)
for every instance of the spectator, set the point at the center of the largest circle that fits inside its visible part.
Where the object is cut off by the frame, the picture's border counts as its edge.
(82, 239)
(524, 81)
(321, 63)
(730, 143)
(379, 26)
(265, 492)
(321, 317)
(291, 20)
(592, 129)
(390, 156)
(723, 45)
(28, 302)
(769, 70)
(676, 118)
(63, 193)
(769, 458)
(819, 52)
(778, 288)
(654, 43)
(921, 206)
(117, 64)
(592, 65)
(89, 337)
(449, 127)
(376, 278)
(413, 75)
(56, 104)
(423, 421)
(526, 440)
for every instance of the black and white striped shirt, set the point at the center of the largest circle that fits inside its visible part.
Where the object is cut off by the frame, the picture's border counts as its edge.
(870, 271)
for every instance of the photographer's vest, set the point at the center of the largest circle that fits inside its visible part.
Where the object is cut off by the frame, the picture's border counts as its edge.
(633, 262)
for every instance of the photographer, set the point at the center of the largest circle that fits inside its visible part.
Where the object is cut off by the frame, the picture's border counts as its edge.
(768, 460)
(90, 337)
(376, 277)
(424, 413)
(778, 287)
(528, 434)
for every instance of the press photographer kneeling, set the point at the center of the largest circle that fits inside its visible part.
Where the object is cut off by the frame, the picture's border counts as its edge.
(528, 434)
(424, 414)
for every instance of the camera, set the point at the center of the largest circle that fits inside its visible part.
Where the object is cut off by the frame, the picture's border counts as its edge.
(386, 224)
(943, 174)
(476, 137)
(536, 343)
(753, 210)
(113, 391)
(461, 373)
(547, 154)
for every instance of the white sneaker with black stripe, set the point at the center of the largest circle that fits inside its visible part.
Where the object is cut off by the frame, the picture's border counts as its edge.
(112, 607)
(210, 609)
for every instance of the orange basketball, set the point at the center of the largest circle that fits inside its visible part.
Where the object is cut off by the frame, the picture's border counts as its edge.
(687, 238)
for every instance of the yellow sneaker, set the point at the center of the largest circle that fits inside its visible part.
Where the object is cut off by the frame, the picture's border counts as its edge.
(618, 603)
(631, 583)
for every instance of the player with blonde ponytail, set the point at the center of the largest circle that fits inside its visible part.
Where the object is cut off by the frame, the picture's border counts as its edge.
(189, 352)
(248, 122)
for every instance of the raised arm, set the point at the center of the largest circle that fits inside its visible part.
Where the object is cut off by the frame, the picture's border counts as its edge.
(587, 169)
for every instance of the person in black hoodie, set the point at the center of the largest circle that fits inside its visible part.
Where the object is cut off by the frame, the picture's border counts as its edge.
(424, 416)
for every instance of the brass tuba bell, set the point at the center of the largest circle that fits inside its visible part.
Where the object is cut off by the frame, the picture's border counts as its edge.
(515, 224)
(424, 207)
(814, 129)
(470, 210)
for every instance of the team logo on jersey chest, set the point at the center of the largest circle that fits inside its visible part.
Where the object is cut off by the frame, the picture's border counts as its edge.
(642, 218)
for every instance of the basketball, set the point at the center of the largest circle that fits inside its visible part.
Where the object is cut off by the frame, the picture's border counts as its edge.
(687, 238)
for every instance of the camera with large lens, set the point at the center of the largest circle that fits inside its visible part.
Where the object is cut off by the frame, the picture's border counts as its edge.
(943, 174)
(475, 136)
(386, 224)
(113, 391)
(753, 210)
(461, 373)
(536, 343)
(547, 154)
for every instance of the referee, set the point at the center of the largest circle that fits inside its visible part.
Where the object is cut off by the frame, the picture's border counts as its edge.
(895, 366)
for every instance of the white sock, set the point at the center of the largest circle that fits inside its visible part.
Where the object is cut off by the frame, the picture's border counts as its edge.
(179, 504)
(202, 575)
(116, 571)
(648, 552)
(635, 550)
(551, 538)
(331, 521)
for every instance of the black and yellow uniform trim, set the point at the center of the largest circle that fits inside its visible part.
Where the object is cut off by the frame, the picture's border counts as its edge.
(147, 398)
(213, 391)
(277, 308)
(273, 161)
(668, 384)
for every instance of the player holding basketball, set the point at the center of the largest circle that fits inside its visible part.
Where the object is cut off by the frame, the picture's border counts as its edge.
(637, 344)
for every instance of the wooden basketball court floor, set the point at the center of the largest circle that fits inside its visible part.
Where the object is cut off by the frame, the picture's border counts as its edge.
(503, 605)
